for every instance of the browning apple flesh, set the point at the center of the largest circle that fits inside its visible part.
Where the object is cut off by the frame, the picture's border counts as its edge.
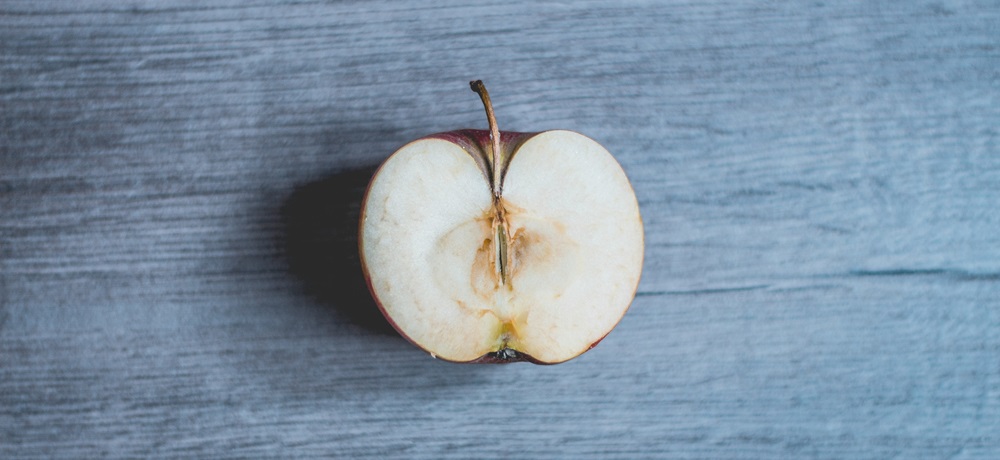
(530, 253)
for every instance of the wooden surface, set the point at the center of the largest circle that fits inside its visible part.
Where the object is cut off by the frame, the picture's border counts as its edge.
(179, 184)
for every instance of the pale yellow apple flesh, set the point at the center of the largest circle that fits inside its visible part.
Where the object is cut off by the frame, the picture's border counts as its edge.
(546, 268)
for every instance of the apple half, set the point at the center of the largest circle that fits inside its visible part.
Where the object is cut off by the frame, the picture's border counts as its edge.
(489, 246)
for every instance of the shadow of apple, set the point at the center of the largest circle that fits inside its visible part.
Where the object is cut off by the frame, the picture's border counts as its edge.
(321, 245)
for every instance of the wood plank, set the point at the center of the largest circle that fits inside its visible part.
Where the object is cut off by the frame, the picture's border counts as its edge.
(179, 184)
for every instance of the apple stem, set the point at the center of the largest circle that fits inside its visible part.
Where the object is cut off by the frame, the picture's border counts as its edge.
(499, 221)
(495, 153)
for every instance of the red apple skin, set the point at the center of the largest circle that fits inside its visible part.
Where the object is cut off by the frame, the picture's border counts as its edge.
(473, 141)
(476, 140)
(477, 143)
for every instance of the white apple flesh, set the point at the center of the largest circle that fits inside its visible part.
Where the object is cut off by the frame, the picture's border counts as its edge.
(530, 253)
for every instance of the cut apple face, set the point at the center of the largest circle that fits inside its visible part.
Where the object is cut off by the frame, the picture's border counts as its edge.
(531, 254)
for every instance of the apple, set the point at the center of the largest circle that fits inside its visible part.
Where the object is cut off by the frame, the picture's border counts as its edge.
(490, 246)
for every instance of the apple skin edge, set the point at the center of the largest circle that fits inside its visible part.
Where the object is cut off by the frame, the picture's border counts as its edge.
(477, 143)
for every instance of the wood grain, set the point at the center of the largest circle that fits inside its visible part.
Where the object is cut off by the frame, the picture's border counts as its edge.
(179, 184)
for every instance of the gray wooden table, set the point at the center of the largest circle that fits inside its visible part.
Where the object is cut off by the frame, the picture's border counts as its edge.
(179, 184)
